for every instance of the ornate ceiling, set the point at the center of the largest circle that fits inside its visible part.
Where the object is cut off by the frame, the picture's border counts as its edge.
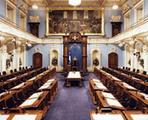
(62, 3)
(125, 5)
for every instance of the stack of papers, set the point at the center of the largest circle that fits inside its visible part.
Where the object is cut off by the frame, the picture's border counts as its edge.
(24, 117)
(145, 95)
(108, 95)
(128, 86)
(107, 117)
(140, 117)
(113, 102)
(3, 93)
(31, 100)
(115, 78)
(36, 95)
(11, 79)
(4, 117)
(74, 75)
(50, 80)
(19, 86)
(32, 79)
(28, 102)
(100, 86)
(47, 84)
(96, 80)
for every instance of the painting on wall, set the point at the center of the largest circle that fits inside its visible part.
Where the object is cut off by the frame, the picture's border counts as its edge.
(83, 21)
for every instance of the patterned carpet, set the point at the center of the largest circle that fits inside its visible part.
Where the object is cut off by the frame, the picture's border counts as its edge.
(73, 103)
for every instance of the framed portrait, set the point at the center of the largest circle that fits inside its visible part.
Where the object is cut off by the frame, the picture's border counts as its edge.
(88, 22)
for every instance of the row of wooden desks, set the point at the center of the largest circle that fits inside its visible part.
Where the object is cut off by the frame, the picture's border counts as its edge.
(137, 83)
(35, 101)
(137, 75)
(102, 97)
(94, 86)
(107, 100)
(16, 80)
(120, 89)
(119, 115)
(14, 74)
(23, 89)
(40, 99)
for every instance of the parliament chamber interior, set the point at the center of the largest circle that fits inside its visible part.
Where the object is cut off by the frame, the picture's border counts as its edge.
(73, 59)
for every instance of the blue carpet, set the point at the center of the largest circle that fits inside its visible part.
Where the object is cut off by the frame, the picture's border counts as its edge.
(73, 103)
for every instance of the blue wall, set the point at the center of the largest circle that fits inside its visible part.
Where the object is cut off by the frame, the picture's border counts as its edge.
(3, 11)
(108, 14)
(42, 16)
(105, 50)
(45, 50)
(2, 8)
(145, 7)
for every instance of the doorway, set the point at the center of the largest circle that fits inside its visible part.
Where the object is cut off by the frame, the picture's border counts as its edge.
(113, 60)
(37, 60)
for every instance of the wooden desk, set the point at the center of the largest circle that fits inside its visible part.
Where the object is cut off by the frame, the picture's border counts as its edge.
(74, 76)
(107, 100)
(127, 87)
(6, 96)
(142, 97)
(51, 85)
(135, 115)
(114, 115)
(96, 85)
(35, 101)
(28, 115)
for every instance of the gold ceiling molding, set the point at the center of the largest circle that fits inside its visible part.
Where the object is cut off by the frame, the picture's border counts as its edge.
(74, 8)
(63, 4)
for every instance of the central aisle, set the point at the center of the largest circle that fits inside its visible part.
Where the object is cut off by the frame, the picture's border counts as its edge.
(73, 103)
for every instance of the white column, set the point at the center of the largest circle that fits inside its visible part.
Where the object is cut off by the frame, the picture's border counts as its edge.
(125, 55)
(135, 60)
(14, 63)
(24, 56)
(132, 57)
(145, 57)
(4, 57)
(1, 59)
(18, 51)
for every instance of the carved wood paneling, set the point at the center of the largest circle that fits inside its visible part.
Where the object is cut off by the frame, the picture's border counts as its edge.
(75, 38)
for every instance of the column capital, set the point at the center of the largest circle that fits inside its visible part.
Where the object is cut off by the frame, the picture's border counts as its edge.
(145, 48)
(3, 49)
(131, 49)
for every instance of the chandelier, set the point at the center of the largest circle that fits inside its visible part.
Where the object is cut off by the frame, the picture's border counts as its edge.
(74, 2)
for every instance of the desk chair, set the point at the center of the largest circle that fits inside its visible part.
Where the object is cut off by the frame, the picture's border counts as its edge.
(15, 70)
(4, 73)
(144, 72)
(11, 71)
(138, 71)
(133, 104)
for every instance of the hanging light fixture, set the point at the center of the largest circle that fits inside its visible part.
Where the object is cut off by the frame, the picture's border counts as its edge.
(74, 2)
(115, 6)
(35, 7)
